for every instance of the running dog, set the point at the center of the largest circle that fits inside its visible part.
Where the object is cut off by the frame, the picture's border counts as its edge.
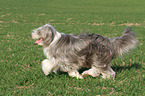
(70, 52)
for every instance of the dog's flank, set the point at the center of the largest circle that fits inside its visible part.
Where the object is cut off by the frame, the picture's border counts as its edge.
(70, 52)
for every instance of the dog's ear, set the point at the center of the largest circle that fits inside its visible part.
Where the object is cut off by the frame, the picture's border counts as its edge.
(51, 28)
(49, 34)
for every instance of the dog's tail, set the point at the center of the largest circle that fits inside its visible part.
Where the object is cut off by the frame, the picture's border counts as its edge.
(125, 42)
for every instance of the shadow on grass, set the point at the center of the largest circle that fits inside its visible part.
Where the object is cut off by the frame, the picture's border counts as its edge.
(115, 68)
(127, 67)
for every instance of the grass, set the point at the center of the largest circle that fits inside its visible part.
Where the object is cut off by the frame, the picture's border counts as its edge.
(20, 61)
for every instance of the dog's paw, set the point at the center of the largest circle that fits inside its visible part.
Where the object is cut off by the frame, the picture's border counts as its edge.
(110, 76)
(80, 77)
(91, 73)
(75, 74)
(46, 73)
(85, 73)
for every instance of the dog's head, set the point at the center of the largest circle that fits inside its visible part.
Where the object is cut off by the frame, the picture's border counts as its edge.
(44, 35)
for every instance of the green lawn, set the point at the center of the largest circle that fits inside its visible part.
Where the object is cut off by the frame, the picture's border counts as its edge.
(20, 61)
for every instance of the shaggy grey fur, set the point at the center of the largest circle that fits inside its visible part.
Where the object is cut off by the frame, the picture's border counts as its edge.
(72, 52)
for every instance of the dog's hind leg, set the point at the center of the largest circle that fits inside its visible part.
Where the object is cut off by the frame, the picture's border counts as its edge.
(75, 74)
(93, 72)
(107, 72)
(47, 67)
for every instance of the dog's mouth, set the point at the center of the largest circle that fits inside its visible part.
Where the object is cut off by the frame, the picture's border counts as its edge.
(38, 41)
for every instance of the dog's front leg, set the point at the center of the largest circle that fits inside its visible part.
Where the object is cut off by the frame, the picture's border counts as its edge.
(47, 66)
(75, 74)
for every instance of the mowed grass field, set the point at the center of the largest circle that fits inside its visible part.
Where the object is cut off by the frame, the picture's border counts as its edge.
(20, 61)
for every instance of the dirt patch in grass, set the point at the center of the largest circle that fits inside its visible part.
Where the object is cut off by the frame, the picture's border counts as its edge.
(113, 24)
(130, 24)
(96, 23)
(1, 21)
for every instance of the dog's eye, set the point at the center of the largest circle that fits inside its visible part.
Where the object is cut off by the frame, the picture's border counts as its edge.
(39, 32)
